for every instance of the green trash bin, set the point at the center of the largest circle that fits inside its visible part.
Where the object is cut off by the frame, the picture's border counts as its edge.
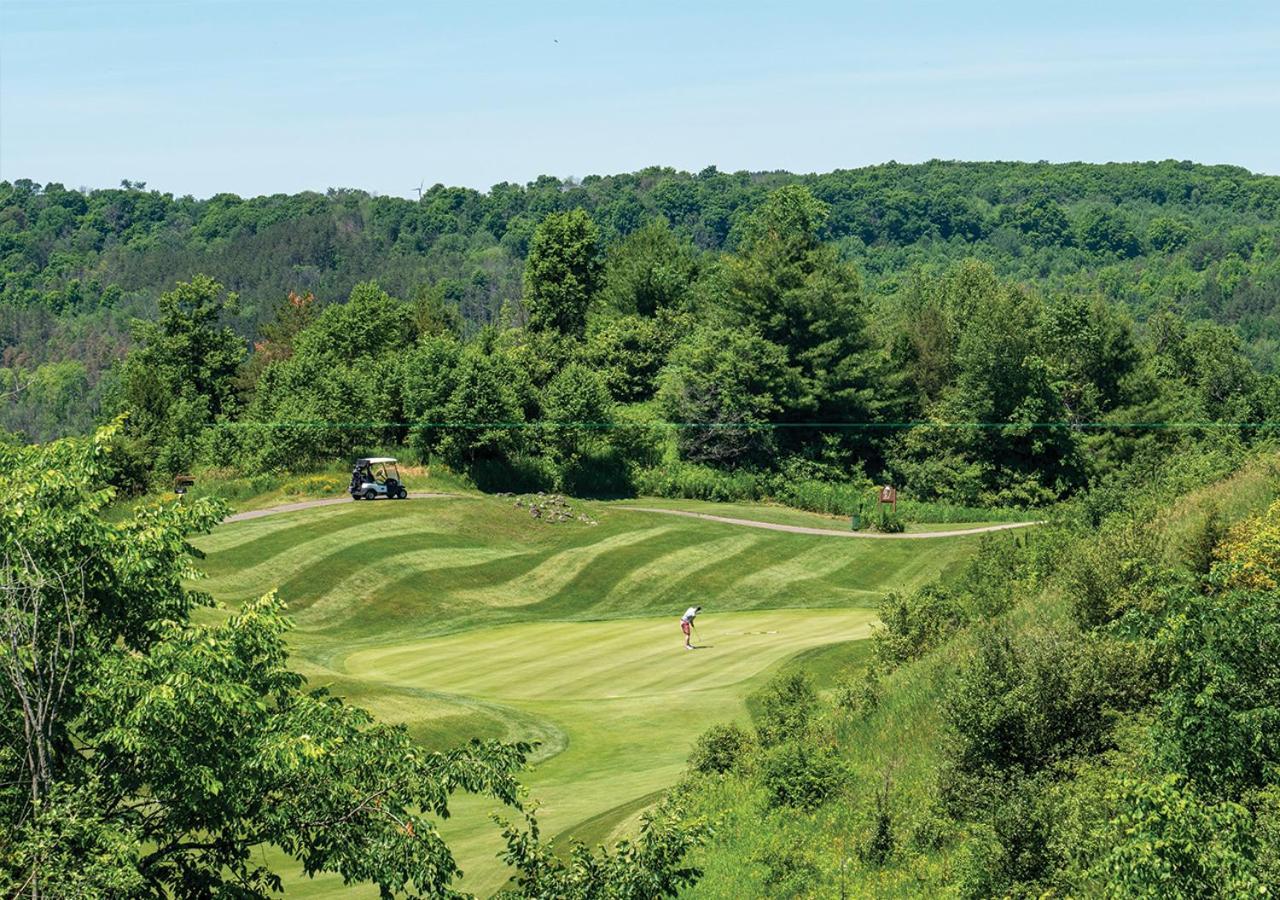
(855, 522)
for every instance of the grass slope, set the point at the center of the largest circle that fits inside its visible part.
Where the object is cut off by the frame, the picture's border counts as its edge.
(462, 617)
(902, 739)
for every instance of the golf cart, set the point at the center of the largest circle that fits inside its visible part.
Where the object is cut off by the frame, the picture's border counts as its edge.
(376, 476)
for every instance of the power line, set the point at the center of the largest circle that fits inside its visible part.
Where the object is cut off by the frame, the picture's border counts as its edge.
(758, 426)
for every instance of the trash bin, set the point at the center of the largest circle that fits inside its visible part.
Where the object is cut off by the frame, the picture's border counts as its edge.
(855, 522)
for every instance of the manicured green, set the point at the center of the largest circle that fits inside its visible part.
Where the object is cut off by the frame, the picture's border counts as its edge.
(465, 617)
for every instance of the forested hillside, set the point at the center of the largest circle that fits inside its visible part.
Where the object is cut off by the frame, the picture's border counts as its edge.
(76, 267)
(790, 351)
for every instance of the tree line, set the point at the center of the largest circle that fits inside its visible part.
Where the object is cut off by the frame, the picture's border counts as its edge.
(620, 367)
(76, 267)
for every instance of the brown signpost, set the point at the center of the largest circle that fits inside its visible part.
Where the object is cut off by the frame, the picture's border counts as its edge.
(889, 495)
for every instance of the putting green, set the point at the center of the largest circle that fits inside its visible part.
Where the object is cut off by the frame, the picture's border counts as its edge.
(461, 617)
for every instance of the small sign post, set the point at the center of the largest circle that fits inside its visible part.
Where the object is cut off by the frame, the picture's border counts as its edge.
(182, 484)
(889, 495)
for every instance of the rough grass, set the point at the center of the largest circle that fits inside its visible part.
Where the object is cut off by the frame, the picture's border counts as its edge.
(902, 739)
(463, 617)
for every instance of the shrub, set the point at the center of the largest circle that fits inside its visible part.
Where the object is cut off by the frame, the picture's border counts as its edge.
(694, 482)
(799, 776)
(720, 749)
(1249, 557)
(313, 484)
(981, 865)
(784, 708)
(915, 623)
(1114, 572)
(879, 843)
(1008, 843)
(888, 522)
(1021, 703)
(859, 695)
(1266, 805)
(790, 869)
(1219, 720)
(1167, 842)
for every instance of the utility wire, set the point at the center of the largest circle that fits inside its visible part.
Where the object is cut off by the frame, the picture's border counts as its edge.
(758, 426)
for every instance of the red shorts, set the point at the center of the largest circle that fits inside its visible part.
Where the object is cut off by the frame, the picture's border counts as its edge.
(684, 626)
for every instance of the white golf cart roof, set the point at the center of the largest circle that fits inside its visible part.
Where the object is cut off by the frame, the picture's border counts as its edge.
(375, 460)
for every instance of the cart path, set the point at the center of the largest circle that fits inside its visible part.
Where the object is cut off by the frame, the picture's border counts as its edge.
(804, 529)
(312, 504)
(727, 520)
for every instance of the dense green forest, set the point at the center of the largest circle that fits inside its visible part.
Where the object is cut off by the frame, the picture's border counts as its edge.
(78, 267)
(985, 334)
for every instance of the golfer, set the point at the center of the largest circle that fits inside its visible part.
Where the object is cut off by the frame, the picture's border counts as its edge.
(686, 624)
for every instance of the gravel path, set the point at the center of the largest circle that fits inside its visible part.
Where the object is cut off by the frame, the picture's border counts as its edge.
(804, 529)
(312, 504)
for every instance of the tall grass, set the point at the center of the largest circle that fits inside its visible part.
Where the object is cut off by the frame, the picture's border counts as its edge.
(693, 482)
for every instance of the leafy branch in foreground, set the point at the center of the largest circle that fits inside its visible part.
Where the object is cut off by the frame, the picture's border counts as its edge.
(651, 866)
(144, 754)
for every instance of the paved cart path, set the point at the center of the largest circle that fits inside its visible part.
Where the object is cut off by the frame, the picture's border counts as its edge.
(727, 520)
(804, 529)
(312, 504)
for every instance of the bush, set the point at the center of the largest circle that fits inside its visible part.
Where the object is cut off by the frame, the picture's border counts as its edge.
(799, 776)
(520, 475)
(915, 623)
(888, 522)
(981, 865)
(720, 749)
(600, 473)
(1167, 842)
(879, 843)
(1219, 719)
(1021, 703)
(1113, 573)
(790, 867)
(689, 481)
(784, 708)
(693, 482)
(1007, 849)
(859, 695)
(314, 484)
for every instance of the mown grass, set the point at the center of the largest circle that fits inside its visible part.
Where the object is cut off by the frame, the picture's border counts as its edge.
(461, 616)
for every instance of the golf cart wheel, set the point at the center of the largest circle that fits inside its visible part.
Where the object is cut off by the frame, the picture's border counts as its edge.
(371, 494)
(402, 494)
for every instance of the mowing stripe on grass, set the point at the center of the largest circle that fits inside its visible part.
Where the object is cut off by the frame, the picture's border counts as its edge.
(550, 576)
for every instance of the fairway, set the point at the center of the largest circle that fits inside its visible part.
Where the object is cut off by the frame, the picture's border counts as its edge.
(460, 617)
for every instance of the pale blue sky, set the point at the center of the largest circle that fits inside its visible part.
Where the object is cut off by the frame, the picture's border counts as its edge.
(201, 96)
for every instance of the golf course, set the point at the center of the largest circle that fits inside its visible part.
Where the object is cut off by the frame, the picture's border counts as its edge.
(461, 616)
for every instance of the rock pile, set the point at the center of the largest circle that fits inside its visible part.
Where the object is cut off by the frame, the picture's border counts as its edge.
(550, 508)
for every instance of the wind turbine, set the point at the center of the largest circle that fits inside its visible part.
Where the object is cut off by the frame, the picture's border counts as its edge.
(419, 188)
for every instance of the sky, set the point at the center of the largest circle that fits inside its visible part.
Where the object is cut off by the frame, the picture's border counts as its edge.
(268, 96)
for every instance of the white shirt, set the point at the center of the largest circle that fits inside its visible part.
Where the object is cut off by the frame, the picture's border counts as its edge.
(689, 614)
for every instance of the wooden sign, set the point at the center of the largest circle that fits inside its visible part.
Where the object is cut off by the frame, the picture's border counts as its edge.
(889, 495)
(183, 483)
